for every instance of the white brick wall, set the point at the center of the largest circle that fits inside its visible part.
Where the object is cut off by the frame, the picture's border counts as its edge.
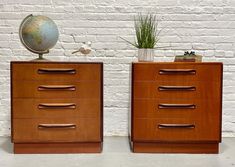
(206, 26)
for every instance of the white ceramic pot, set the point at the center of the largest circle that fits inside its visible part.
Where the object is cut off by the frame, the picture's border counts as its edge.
(145, 54)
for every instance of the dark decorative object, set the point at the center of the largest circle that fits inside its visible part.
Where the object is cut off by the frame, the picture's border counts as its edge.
(188, 57)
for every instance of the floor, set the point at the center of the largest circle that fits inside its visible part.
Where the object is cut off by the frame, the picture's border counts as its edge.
(116, 153)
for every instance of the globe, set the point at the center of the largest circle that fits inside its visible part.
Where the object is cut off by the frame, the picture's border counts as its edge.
(38, 34)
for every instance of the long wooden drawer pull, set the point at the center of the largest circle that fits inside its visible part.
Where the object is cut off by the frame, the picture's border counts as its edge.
(57, 105)
(57, 87)
(177, 88)
(56, 126)
(177, 71)
(56, 71)
(165, 106)
(188, 126)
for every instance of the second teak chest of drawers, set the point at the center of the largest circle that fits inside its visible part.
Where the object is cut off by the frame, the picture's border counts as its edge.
(176, 107)
(57, 107)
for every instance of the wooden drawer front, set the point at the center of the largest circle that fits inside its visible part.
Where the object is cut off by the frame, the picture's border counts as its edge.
(56, 71)
(56, 130)
(52, 108)
(176, 108)
(176, 130)
(181, 89)
(177, 72)
(55, 89)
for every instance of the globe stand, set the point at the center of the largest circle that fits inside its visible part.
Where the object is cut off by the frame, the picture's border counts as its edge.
(40, 58)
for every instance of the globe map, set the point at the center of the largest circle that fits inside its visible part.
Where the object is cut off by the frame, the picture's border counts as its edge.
(38, 33)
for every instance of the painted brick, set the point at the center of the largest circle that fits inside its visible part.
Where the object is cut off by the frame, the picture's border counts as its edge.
(208, 27)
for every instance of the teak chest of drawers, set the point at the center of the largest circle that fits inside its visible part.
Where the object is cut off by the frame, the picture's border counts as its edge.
(57, 107)
(176, 107)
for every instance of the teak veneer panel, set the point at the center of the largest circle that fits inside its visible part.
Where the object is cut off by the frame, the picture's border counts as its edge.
(30, 89)
(82, 108)
(202, 90)
(80, 72)
(150, 72)
(27, 130)
(176, 107)
(57, 107)
(58, 148)
(149, 108)
(204, 130)
(194, 148)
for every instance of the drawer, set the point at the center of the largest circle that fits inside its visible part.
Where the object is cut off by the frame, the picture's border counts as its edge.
(177, 71)
(55, 71)
(56, 130)
(52, 108)
(174, 130)
(176, 108)
(180, 89)
(56, 89)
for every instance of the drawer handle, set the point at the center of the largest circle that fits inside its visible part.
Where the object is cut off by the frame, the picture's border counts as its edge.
(56, 126)
(177, 71)
(165, 126)
(56, 105)
(57, 87)
(165, 106)
(177, 88)
(56, 71)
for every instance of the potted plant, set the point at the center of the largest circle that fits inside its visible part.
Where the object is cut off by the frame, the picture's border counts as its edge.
(147, 36)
